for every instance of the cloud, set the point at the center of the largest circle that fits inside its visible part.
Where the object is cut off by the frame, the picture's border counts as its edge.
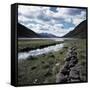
(55, 20)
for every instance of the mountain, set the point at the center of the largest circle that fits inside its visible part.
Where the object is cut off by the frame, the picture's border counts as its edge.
(25, 32)
(47, 35)
(80, 31)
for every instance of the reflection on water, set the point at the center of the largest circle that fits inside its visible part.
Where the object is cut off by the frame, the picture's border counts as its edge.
(25, 55)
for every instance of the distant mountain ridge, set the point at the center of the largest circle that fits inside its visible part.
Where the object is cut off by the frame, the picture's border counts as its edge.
(80, 31)
(48, 35)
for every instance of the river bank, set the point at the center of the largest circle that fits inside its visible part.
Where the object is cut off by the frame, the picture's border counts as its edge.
(25, 45)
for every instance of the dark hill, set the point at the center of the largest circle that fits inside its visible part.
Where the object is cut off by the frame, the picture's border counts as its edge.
(79, 32)
(25, 32)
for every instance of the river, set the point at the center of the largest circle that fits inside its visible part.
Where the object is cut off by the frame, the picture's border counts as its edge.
(57, 47)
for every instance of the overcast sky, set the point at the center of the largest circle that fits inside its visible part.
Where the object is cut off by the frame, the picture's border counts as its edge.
(54, 20)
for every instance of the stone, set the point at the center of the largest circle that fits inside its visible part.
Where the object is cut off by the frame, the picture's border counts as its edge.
(68, 58)
(66, 65)
(70, 70)
(72, 64)
(57, 64)
(35, 81)
(61, 78)
(74, 54)
(65, 71)
(74, 74)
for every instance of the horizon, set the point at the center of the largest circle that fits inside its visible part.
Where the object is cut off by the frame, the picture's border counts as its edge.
(52, 20)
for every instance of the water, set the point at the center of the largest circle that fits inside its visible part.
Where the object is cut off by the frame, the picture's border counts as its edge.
(25, 55)
(55, 39)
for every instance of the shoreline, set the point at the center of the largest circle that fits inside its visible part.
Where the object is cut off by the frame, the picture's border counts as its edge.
(26, 49)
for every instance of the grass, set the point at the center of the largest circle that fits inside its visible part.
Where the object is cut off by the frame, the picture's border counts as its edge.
(43, 69)
(34, 44)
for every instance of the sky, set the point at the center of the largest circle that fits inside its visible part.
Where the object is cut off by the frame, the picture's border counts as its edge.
(53, 20)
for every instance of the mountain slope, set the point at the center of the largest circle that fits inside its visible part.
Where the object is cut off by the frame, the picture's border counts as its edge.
(25, 32)
(79, 32)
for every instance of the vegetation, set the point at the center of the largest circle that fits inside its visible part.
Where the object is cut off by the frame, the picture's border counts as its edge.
(44, 68)
(29, 44)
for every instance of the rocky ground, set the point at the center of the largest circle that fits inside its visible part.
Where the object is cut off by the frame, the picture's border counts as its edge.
(71, 70)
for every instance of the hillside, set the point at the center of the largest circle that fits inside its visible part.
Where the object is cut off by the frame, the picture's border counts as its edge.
(25, 32)
(79, 32)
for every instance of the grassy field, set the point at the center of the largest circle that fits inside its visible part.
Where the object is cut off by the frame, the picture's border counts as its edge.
(36, 43)
(43, 69)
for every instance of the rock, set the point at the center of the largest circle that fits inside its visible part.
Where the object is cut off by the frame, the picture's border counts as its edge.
(61, 78)
(82, 71)
(68, 58)
(35, 81)
(69, 55)
(69, 72)
(74, 48)
(73, 62)
(74, 54)
(57, 64)
(66, 65)
(65, 71)
(77, 67)
(74, 74)
(70, 48)
(74, 57)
